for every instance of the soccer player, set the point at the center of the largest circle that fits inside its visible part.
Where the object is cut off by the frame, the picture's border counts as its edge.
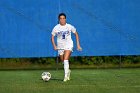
(64, 42)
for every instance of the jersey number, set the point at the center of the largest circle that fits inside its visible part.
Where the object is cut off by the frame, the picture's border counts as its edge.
(63, 36)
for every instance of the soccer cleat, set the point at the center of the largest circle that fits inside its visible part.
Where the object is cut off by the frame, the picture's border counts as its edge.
(65, 79)
(68, 76)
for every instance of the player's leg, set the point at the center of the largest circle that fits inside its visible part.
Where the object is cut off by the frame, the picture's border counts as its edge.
(67, 54)
(61, 55)
(61, 58)
(67, 71)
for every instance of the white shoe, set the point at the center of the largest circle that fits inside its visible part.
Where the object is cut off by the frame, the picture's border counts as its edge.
(68, 77)
(65, 79)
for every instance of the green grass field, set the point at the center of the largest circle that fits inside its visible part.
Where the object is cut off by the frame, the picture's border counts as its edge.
(82, 81)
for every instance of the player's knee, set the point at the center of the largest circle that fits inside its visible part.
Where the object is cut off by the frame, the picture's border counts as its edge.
(62, 60)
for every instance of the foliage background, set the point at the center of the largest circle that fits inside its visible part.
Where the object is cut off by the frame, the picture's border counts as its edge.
(75, 62)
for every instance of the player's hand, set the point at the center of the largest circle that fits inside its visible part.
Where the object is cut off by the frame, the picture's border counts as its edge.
(55, 48)
(79, 48)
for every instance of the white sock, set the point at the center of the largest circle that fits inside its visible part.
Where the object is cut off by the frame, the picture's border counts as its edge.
(66, 67)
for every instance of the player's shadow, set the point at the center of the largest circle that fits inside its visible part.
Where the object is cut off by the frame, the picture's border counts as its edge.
(56, 79)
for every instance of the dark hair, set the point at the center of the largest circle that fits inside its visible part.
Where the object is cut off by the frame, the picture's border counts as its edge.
(61, 14)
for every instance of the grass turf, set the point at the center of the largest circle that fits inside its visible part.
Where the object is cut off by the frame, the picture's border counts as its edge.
(82, 81)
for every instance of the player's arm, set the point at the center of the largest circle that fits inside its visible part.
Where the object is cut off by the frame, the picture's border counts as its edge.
(53, 42)
(77, 41)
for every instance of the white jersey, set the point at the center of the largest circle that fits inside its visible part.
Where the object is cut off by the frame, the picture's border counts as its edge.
(63, 34)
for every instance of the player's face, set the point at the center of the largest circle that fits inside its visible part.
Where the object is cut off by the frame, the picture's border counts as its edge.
(62, 20)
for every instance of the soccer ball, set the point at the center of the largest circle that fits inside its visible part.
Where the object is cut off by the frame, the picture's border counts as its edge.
(46, 76)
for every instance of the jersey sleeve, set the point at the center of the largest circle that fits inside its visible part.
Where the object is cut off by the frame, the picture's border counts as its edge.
(54, 31)
(73, 29)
